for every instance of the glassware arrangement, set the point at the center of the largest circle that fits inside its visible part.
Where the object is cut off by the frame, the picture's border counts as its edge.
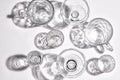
(56, 15)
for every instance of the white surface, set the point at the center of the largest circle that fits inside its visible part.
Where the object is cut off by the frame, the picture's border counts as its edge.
(15, 40)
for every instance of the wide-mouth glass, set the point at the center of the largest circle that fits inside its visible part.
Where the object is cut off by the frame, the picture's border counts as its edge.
(77, 11)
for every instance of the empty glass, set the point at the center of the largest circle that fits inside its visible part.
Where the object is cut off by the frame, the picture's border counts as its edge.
(50, 40)
(48, 70)
(108, 62)
(19, 15)
(99, 32)
(17, 62)
(40, 11)
(97, 66)
(34, 58)
(77, 11)
(55, 38)
(96, 33)
(92, 67)
(40, 41)
(71, 63)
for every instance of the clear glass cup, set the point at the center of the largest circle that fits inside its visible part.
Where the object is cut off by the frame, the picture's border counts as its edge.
(97, 33)
(71, 63)
(17, 62)
(77, 11)
(50, 40)
(40, 12)
(19, 15)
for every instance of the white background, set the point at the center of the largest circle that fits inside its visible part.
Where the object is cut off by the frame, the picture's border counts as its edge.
(15, 40)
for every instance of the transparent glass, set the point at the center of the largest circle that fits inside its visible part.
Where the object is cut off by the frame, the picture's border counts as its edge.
(96, 33)
(57, 22)
(77, 36)
(97, 66)
(99, 31)
(48, 69)
(108, 63)
(55, 38)
(50, 40)
(40, 12)
(17, 63)
(34, 58)
(19, 15)
(77, 11)
(92, 67)
(71, 63)
(40, 41)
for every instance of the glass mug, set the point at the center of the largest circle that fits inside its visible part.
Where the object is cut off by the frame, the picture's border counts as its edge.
(96, 33)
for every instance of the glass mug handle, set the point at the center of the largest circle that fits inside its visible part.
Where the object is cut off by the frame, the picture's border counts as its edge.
(108, 47)
(99, 48)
